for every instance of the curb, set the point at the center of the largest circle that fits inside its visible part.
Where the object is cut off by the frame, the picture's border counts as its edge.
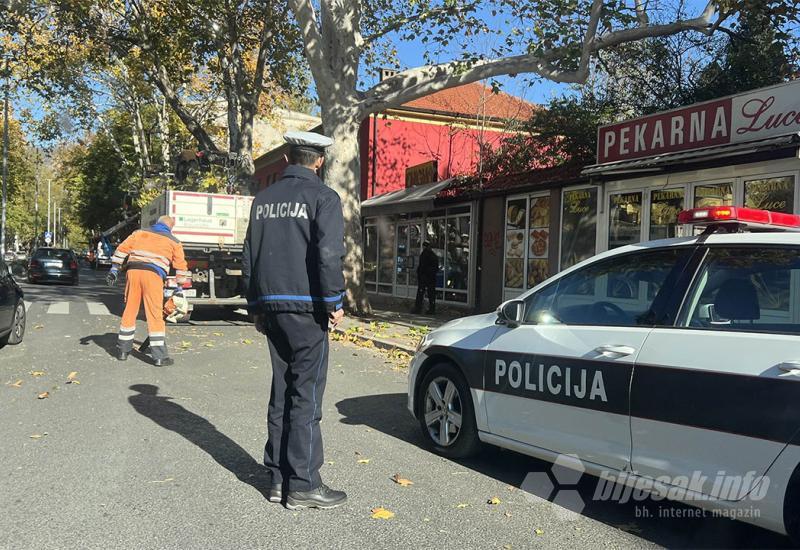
(380, 343)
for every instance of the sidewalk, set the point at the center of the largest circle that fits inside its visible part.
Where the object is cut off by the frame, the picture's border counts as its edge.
(393, 329)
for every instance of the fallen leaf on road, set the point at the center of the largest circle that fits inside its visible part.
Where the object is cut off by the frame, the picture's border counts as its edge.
(37, 327)
(506, 547)
(403, 482)
(38, 436)
(493, 500)
(363, 461)
(208, 345)
(17, 384)
(217, 333)
(382, 513)
(71, 378)
(186, 345)
(37, 373)
(247, 341)
(163, 480)
(507, 514)
(462, 505)
(43, 395)
(539, 531)
(330, 462)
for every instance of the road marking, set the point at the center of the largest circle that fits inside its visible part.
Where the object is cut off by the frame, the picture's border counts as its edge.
(59, 308)
(97, 308)
(28, 306)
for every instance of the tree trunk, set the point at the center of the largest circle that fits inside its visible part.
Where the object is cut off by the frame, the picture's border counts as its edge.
(163, 129)
(342, 173)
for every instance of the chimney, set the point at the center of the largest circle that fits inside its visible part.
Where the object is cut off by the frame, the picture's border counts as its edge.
(387, 73)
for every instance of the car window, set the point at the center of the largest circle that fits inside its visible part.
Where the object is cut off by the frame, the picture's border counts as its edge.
(743, 288)
(53, 254)
(620, 291)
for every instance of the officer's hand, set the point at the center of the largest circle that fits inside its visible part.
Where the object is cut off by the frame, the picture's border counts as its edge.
(336, 317)
(111, 278)
(258, 320)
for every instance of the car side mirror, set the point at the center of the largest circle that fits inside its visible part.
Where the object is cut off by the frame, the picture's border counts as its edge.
(511, 313)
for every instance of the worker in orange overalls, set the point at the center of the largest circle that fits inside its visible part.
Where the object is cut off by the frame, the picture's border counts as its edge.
(149, 254)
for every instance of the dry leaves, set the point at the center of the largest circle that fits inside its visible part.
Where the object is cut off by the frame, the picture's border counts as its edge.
(17, 384)
(38, 436)
(462, 505)
(43, 395)
(538, 531)
(403, 482)
(208, 345)
(38, 327)
(163, 480)
(186, 345)
(493, 500)
(382, 513)
(363, 461)
(217, 334)
(247, 341)
(72, 378)
(37, 373)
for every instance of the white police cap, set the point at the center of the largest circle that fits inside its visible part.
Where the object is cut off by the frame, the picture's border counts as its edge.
(308, 140)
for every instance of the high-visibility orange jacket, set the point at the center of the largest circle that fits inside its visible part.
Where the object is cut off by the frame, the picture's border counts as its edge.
(154, 249)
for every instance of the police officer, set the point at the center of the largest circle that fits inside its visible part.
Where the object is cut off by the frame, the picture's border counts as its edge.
(293, 252)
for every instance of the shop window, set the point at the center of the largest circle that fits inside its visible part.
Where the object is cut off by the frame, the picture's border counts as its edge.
(386, 259)
(371, 256)
(664, 208)
(516, 224)
(776, 194)
(624, 219)
(717, 194)
(457, 261)
(538, 240)
(435, 231)
(578, 226)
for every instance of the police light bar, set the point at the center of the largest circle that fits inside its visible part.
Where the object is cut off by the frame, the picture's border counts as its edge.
(750, 218)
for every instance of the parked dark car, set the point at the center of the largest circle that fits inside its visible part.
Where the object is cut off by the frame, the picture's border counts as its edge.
(53, 264)
(12, 308)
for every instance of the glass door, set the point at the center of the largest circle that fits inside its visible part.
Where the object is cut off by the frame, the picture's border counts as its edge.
(402, 255)
(408, 249)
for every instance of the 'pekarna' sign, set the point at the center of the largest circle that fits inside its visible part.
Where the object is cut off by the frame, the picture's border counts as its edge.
(750, 116)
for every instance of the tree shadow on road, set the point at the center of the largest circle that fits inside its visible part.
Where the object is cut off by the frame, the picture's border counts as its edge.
(666, 523)
(196, 429)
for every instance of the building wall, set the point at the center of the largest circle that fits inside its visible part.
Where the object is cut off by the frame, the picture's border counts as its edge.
(406, 142)
(492, 239)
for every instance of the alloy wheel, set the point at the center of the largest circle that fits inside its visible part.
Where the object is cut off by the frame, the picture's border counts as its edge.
(443, 411)
(19, 322)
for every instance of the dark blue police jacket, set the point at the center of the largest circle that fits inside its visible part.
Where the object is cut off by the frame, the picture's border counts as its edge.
(294, 246)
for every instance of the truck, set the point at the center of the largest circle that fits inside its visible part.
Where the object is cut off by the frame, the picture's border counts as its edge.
(212, 228)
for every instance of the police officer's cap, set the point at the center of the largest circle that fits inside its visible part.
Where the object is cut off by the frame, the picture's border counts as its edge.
(308, 141)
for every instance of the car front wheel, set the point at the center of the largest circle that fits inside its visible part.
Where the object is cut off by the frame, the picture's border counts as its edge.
(446, 412)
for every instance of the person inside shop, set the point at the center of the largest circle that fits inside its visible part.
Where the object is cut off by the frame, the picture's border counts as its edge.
(427, 270)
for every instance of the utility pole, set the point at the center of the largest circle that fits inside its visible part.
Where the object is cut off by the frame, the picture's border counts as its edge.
(48, 205)
(36, 214)
(5, 162)
(58, 227)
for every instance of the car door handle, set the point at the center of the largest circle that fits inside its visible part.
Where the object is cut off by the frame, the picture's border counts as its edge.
(792, 367)
(612, 349)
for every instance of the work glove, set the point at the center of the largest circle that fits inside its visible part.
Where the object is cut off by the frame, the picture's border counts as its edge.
(111, 278)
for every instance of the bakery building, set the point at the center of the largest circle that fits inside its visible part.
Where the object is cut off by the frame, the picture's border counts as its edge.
(741, 150)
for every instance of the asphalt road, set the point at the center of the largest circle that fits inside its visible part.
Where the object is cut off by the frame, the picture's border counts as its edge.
(135, 456)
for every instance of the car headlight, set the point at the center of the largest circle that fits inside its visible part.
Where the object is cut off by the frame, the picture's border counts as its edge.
(423, 343)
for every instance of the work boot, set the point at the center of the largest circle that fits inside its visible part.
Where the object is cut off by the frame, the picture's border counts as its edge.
(165, 362)
(322, 497)
(275, 493)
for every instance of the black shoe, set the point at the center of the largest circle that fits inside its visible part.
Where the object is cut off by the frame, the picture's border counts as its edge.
(322, 497)
(122, 355)
(275, 494)
(166, 362)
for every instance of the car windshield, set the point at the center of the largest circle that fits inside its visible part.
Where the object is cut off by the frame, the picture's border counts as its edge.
(53, 254)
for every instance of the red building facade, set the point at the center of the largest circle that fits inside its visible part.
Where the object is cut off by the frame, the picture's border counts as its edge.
(449, 129)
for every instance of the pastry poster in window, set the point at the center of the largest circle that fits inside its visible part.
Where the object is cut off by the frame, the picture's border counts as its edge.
(537, 272)
(514, 272)
(538, 243)
(515, 244)
(515, 214)
(540, 212)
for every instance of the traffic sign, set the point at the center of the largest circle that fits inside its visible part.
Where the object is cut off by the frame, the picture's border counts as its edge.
(48, 237)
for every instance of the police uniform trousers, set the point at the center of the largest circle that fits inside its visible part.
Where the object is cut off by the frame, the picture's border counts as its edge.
(298, 347)
(146, 287)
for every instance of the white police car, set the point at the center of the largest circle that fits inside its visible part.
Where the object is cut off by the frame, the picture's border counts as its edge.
(670, 360)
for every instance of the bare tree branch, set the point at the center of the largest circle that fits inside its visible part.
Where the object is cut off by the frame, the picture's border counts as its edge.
(400, 23)
(641, 13)
(418, 82)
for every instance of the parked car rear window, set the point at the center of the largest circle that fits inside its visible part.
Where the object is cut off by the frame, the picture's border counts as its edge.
(53, 254)
(748, 289)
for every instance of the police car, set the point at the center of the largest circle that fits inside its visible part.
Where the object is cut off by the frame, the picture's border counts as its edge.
(666, 361)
